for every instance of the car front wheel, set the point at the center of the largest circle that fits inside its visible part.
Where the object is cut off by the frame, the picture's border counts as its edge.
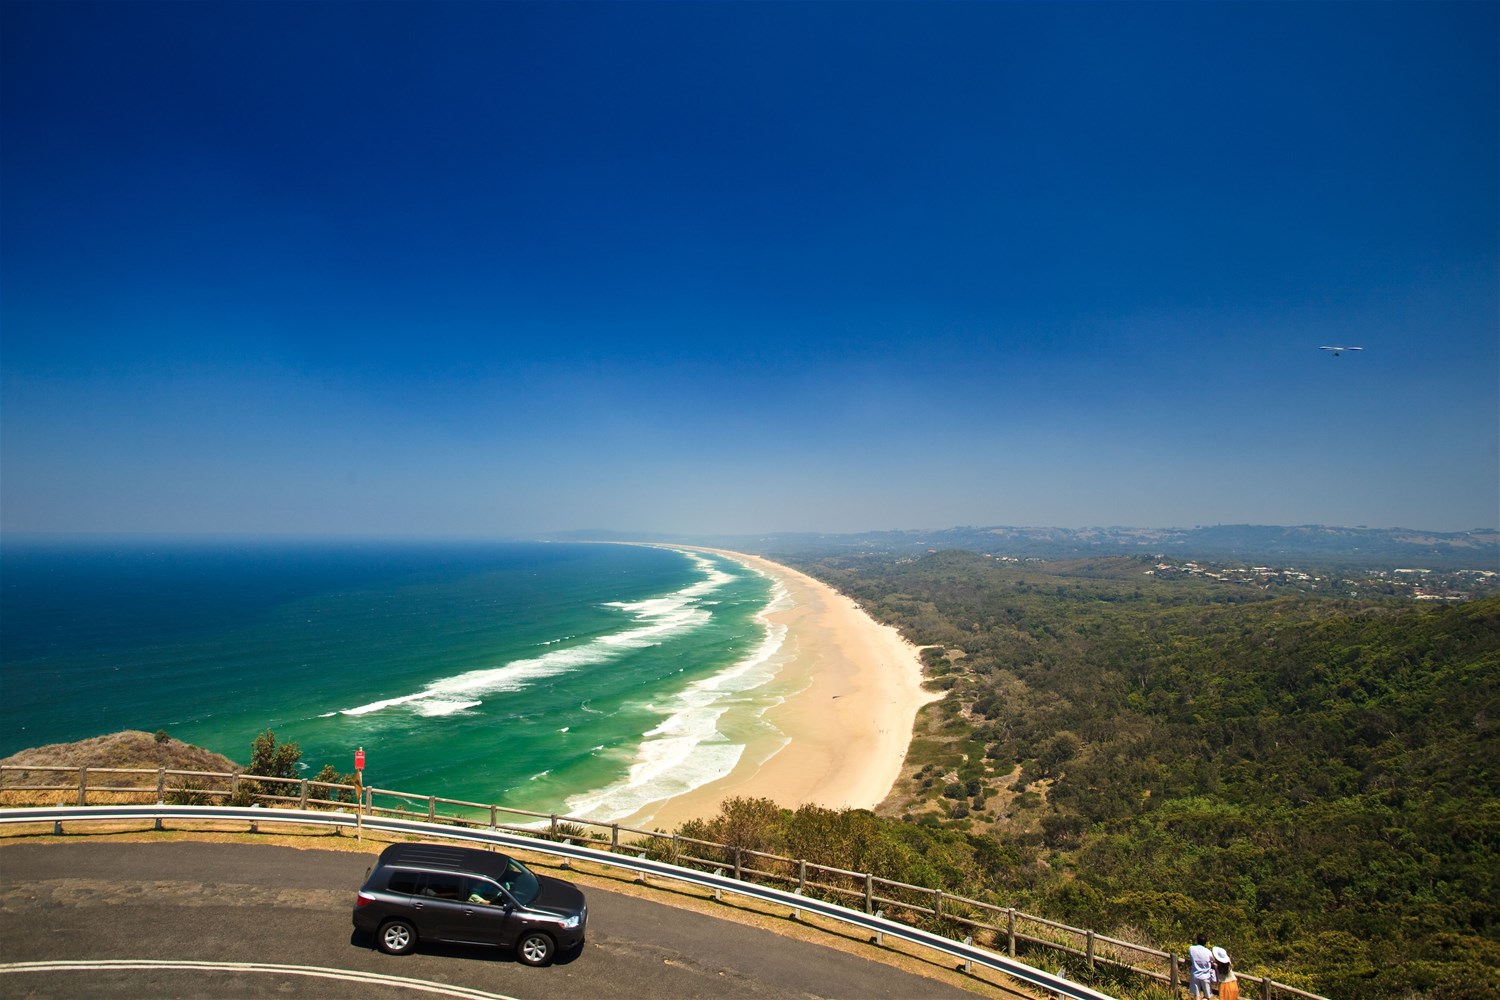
(535, 948)
(397, 937)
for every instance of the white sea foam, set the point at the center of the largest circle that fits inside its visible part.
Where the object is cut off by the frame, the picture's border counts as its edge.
(434, 707)
(687, 749)
(653, 620)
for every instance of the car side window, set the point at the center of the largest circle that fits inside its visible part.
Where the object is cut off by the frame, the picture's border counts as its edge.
(444, 886)
(403, 882)
(482, 890)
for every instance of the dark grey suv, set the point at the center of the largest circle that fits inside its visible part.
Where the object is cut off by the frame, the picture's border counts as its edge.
(436, 892)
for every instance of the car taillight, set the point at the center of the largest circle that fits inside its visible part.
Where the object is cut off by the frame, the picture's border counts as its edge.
(363, 899)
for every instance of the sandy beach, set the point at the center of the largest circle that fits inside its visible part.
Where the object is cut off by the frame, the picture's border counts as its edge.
(840, 736)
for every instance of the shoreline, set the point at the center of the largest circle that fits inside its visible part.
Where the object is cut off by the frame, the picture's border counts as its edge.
(842, 731)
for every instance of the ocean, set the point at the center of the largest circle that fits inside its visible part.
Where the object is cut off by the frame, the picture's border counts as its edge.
(582, 679)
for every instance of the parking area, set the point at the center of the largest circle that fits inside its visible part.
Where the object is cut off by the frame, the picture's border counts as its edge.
(264, 920)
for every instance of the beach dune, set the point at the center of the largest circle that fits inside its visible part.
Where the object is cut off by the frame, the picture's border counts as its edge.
(841, 735)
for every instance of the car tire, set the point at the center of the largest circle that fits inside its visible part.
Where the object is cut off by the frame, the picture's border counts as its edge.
(396, 937)
(536, 948)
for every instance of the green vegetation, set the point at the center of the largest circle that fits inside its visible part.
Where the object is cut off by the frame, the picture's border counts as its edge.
(272, 760)
(284, 760)
(1311, 781)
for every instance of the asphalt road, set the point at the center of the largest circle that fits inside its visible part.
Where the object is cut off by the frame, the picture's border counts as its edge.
(287, 912)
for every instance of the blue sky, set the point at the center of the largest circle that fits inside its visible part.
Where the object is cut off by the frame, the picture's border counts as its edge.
(499, 269)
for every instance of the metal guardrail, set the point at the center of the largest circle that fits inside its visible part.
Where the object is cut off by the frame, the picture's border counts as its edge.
(874, 923)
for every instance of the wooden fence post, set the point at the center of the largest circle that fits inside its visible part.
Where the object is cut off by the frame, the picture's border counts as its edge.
(1010, 931)
(161, 793)
(614, 837)
(302, 795)
(1172, 975)
(432, 808)
(802, 875)
(1265, 988)
(937, 904)
(83, 786)
(1090, 948)
(737, 854)
(869, 893)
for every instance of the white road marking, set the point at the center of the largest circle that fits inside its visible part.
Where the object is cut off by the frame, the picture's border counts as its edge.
(312, 971)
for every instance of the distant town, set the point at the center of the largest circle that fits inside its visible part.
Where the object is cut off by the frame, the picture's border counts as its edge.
(1414, 584)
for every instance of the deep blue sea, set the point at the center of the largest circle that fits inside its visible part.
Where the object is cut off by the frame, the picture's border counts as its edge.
(583, 679)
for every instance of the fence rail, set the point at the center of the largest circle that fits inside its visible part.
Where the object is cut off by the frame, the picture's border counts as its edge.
(806, 883)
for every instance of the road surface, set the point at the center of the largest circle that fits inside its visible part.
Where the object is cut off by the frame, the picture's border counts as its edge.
(264, 921)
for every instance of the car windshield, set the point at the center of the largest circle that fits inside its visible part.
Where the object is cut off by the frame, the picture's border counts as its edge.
(520, 882)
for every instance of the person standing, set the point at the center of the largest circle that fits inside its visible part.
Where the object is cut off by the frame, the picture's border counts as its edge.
(1201, 965)
(1229, 983)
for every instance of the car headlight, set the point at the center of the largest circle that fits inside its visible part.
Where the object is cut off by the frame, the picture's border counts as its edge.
(568, 923)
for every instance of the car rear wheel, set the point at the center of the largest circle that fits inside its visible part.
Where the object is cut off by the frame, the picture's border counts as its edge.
(535, 948)
(396, 937)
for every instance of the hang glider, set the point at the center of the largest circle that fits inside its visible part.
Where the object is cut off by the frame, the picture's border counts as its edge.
(1340, 350)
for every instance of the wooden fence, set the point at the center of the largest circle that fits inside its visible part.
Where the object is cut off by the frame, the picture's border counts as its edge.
(996, 927)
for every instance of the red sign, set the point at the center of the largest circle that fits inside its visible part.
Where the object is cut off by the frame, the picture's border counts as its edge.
(359, 759)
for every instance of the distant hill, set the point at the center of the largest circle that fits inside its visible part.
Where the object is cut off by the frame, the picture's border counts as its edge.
(129, 749)
(1312, 544)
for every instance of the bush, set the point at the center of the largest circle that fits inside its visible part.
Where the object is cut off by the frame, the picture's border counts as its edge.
(272, 761)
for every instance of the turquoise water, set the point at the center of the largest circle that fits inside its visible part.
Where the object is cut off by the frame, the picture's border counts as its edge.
(584, 679)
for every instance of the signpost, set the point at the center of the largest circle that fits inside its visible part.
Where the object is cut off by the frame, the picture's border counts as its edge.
(359, 793)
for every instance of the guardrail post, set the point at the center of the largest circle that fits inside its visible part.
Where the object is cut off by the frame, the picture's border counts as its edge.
(796, 910)
(1010, 934)
(969, 962)
(718, 893)
(1090, 949)
(83, 786)
(879, 935)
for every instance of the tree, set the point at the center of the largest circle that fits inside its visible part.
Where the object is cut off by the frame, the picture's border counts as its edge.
(272, 761)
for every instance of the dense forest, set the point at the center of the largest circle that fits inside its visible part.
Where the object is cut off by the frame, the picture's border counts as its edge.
(1310, 781)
